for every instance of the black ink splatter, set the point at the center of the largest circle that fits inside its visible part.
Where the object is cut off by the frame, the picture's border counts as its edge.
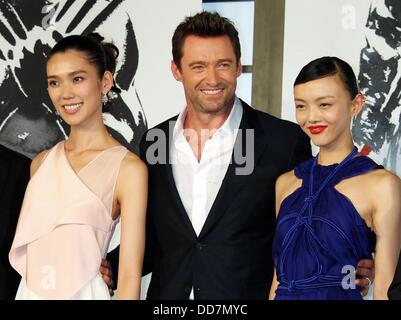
(378, 125)
(28, 122)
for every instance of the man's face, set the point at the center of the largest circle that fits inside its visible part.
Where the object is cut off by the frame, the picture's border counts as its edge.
(208, 72)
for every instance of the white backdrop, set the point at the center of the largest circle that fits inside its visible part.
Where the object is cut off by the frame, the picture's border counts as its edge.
(316, 28)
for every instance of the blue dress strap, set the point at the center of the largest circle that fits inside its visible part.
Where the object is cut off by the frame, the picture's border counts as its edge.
(358, 166)
(302, 171)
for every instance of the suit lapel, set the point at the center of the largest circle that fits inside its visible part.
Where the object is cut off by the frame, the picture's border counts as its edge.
(182, 214)
(232, 181)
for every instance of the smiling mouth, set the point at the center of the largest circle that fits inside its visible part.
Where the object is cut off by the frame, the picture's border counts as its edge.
(212, 92)
(72, 108)
(316, 129)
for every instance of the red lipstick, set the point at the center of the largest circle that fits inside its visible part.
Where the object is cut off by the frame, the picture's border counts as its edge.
(316, 129)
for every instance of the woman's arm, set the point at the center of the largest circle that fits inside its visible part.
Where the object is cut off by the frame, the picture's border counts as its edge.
(286, 184)
(394, 292)
(274, 286)
(132, 194)
(387, 226)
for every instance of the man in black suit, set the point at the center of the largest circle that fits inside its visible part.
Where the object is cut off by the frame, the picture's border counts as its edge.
(212, 173)
(211, 234)
(14, 176)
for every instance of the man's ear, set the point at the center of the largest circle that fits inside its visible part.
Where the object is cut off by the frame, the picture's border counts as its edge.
(176, 71)
(107, 82)
(239, 68)
(357, 104)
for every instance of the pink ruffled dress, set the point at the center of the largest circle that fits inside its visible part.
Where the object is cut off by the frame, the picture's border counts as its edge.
(65, 227)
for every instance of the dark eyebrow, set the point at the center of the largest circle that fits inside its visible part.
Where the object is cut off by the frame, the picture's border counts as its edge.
(196, 62)
(203, 62)
(325, 97)
(318, 99)
(225, 60)
(70, 74)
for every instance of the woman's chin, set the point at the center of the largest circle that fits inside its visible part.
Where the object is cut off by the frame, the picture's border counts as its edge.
(319, 143)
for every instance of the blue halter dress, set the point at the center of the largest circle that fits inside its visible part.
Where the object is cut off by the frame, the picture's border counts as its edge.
(320, 237)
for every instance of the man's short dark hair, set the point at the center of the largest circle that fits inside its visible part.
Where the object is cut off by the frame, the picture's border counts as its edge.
(204, 24)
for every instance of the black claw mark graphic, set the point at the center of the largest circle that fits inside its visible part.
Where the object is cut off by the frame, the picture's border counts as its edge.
(80, 15)
(64, 10)
(10, 15)
(7, 34)
(127, 71)
(103, 16)
(28, 123)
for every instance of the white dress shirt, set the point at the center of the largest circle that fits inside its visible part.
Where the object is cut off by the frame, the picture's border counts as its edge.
(199, 182)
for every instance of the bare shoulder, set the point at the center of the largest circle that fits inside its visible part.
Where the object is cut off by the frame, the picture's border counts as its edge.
(37, 161)
(132, 165)
(133, 176)
(286, 180)
(385, 186)
(286, 184)
(385, 180)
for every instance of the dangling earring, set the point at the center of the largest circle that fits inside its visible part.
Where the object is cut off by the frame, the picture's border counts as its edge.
(105, 99)
(57, 113)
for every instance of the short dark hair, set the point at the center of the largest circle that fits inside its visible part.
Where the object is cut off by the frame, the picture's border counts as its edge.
(204, 24)
(103, 55)
(329, 66)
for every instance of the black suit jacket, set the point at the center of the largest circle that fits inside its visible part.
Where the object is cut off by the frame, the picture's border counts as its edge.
(14, 176)
(232, 257)
(394, 291)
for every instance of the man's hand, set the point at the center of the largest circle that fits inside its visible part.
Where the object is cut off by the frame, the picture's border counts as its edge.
(107, 275)
(365, 273)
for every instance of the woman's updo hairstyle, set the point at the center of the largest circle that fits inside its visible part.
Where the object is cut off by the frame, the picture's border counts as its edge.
(103, 55)
(329, 66)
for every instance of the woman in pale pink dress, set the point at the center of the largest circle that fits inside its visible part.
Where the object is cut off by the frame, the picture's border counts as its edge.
(81, 188)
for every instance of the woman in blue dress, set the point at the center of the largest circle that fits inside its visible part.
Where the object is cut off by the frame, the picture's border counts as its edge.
(339, 207)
